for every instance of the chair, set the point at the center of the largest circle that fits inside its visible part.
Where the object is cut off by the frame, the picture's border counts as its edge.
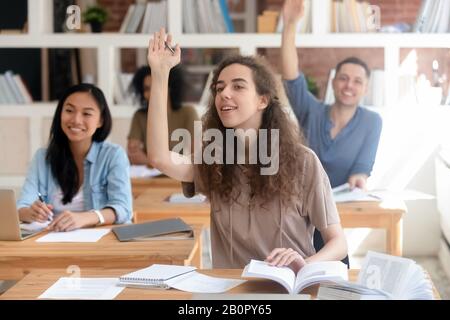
(318, 244)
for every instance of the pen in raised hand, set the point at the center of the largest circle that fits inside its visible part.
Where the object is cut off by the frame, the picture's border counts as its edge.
(169, 47)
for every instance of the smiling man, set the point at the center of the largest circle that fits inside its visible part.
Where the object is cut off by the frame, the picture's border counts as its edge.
(344, 135)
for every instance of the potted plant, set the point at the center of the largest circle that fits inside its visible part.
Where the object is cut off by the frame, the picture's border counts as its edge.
(312, 85)
(96, 17)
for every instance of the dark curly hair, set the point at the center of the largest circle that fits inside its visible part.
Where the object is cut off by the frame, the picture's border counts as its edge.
(220, 178)
(176, 86)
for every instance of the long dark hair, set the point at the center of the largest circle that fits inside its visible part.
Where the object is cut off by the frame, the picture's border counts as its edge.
(221, 178)
(176, 86)
(59, 155)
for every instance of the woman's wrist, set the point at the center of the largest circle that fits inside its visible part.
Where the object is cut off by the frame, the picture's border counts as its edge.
(90, 219)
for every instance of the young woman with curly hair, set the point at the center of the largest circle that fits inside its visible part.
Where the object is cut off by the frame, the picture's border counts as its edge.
(253, 216)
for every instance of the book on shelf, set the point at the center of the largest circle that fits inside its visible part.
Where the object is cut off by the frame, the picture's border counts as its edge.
(122, 94)
(206, 16)
(310, 274)
(433, 17)
(185, 278)
(145, 18)
(305, 23)
(350, 16)
(267, 21)
(166, 229)
(382, 276)
(13, 90)
(226, 15)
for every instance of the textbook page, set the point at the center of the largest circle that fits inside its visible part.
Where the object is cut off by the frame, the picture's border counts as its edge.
(199, 283)
(385, 272)
(83, 288)
(260, 269)
(80, 235)
(316, 272)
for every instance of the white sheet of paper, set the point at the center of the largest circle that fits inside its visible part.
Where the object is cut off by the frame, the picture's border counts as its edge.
(200, 283)
(83, 288)
(80, 235)
(143, 172)
(343, 193)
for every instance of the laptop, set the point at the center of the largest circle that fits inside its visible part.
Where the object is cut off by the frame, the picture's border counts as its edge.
(9, 218)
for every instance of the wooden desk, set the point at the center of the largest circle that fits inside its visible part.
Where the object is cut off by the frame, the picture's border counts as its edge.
(385, 215)
(152, 205)
(18, 258)
(140, 185)
(35, 283)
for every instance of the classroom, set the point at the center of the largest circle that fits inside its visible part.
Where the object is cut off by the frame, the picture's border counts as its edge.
(222, 141)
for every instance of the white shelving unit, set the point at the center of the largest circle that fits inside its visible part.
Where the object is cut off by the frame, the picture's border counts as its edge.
(108, 47)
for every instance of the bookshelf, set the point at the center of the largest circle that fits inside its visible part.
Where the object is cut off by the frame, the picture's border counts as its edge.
(108, 45)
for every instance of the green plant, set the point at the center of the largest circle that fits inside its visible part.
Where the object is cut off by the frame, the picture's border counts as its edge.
(95, 14)
(312, 85)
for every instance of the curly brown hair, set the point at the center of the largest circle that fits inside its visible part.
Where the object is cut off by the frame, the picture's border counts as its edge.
(221, 178)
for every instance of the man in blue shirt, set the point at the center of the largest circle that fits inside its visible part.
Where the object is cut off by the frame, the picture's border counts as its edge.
(344, 136)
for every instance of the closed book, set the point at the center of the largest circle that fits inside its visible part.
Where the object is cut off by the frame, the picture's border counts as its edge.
(167, 229)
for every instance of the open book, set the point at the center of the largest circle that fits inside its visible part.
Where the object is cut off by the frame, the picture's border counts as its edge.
(183, 278)
(310, 274)
(382, 276)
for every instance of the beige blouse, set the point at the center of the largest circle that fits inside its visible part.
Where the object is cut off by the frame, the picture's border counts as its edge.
(251, 229)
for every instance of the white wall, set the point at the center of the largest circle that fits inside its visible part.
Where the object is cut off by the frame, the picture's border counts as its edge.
(405, 160)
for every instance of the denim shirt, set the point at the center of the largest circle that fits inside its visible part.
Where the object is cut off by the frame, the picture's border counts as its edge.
(352, 151)
(106, 181)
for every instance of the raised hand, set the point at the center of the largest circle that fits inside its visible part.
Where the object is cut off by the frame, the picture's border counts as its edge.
(293, 11)
(159, 56)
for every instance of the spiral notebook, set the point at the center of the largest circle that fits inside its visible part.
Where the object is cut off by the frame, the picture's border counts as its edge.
(154, 276)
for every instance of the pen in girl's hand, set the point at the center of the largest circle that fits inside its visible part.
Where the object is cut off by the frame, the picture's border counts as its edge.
(168, 47)
(41, 199)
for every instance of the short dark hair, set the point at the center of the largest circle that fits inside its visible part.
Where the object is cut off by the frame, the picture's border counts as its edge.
(354, 60)
(59, 155)
(176, 86)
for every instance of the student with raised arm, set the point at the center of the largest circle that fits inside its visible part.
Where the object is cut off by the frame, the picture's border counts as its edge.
(179, 116)
(258, 210)
(344, 136)
(80, 180)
